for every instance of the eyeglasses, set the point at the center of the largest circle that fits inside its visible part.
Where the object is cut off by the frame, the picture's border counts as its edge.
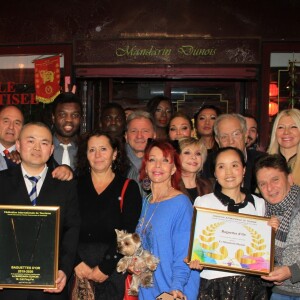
(236, 135)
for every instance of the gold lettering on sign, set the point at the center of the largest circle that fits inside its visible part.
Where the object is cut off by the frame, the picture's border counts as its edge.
(186, 50)
(135, 51)
(189, 50)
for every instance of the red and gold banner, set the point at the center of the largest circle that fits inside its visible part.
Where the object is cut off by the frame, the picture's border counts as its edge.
(47, 78)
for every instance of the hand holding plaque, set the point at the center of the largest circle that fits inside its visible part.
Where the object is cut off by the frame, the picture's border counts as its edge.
(29, 237)
(231, 241)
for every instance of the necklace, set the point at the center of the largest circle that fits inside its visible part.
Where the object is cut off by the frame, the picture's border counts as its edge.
(142, 226)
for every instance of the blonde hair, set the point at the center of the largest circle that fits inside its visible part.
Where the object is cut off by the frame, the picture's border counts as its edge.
(188, 141)
(274, 147)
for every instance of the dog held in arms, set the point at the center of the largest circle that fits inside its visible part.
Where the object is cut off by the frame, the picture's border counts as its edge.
(142, 261)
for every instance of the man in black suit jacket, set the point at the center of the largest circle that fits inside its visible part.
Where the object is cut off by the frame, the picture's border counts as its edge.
(231, 130)
(35, 147)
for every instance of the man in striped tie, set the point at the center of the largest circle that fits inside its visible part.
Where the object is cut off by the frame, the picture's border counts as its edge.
(31, 183)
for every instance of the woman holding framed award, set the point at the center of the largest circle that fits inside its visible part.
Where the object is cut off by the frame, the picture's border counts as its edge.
(229, 195)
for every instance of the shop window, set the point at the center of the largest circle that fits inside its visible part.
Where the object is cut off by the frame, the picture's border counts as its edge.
(17, 86)
(284, 86)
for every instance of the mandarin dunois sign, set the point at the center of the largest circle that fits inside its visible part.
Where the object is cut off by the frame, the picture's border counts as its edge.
(167, 51)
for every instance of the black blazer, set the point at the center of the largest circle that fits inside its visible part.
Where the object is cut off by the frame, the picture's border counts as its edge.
(53, 193)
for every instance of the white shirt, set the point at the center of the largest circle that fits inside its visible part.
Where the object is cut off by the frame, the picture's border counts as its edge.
(2, 148)
(39, 183)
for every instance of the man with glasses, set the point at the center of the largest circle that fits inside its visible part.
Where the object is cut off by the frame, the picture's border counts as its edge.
(231, 130)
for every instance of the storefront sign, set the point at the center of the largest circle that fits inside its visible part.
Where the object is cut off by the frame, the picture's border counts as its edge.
(168, 51)
(9, 95)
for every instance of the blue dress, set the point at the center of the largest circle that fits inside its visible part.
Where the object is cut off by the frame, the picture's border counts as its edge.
(164, 228)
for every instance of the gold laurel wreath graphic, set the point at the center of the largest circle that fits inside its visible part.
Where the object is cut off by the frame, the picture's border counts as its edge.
(207, 242)
(257, 244)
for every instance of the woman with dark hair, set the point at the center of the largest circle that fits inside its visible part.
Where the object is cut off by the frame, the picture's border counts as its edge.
(165, 224)
(204, 121)
(229, 195)
(180, 126)
(100, 188)
(161, 109)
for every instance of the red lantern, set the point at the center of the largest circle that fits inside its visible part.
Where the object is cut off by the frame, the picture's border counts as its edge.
(273, 89)
(273, 108)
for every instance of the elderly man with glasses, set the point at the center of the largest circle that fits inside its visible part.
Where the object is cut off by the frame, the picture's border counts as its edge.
(231, 130)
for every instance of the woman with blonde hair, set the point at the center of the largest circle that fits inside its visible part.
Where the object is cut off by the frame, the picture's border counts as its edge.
(192, 154)
(285, 139)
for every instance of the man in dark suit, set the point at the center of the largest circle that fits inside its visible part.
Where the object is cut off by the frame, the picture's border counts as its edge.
(35, 147)
(11, 122)
(231, 130)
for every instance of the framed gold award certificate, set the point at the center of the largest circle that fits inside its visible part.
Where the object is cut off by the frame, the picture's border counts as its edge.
(29, 238)
(231, 241)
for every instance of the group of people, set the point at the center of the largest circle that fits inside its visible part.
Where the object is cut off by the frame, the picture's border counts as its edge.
(143, 172)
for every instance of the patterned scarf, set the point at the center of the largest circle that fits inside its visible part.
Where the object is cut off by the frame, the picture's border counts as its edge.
(285, 210)
(135, 162)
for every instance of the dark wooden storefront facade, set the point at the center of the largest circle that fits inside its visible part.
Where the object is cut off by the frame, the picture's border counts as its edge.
(193, 51)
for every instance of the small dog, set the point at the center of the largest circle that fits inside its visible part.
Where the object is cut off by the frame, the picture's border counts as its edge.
(142, 261)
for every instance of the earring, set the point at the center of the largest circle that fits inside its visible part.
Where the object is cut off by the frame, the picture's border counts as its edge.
(113, 165)
(146, 183)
